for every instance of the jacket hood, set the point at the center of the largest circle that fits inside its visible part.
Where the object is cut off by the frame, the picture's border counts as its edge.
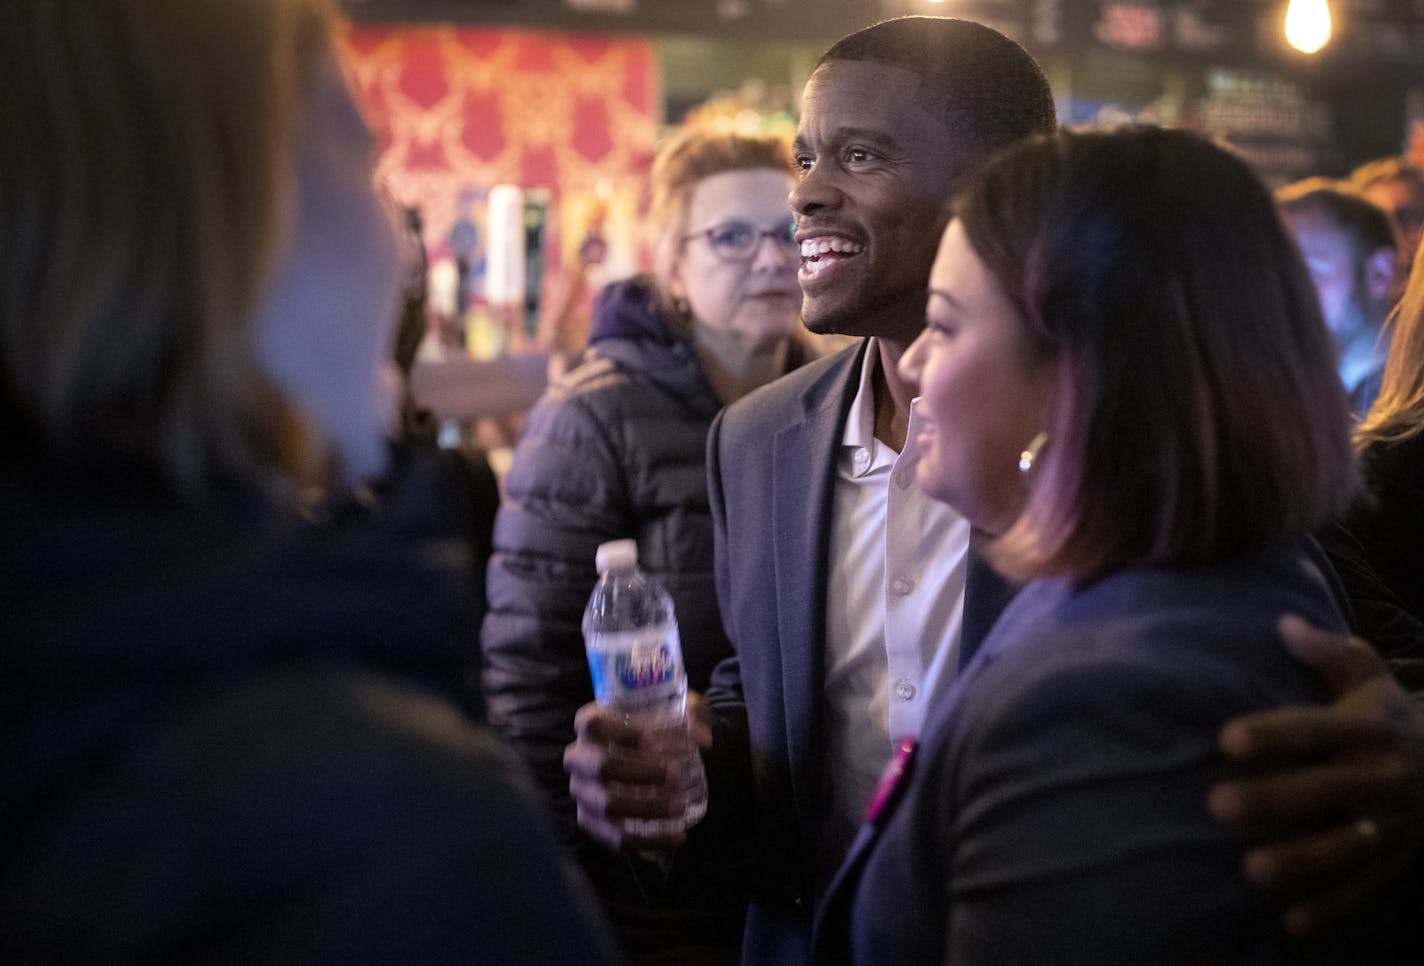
(631, 330)
(629, 309)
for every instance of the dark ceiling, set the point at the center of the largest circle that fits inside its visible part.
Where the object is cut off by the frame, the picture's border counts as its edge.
(764, 20)
(1373, 37)
(1370, 78)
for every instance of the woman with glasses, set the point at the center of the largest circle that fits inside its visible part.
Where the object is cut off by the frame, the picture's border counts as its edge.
(615, 449)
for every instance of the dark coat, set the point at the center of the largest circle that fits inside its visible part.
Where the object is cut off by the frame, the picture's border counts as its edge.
(615, 449)
(1055, 811)
(1376, 550)
(233, 735)
(771, 460)
(1388, 520)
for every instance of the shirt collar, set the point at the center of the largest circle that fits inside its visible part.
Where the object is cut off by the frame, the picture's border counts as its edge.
(860, 423)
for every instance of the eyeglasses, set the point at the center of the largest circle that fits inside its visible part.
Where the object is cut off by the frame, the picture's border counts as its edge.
(737, 240)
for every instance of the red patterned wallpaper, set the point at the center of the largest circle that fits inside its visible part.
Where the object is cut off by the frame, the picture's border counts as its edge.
(460, 109)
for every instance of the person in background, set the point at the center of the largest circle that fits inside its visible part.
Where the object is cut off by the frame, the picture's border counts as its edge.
(231, 733)
(1165, 437)
(615, 449)
(412, 323)
(850, 598)
(1350, 247)
(1388, 521)
(1397, 186)
(464, 467)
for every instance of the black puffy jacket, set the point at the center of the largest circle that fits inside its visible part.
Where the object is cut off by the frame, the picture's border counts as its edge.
(615, 449)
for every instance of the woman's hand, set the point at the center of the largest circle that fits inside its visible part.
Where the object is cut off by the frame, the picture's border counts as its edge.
(1344, 782)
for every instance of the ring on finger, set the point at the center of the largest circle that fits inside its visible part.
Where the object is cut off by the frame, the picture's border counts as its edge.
(1369, 830)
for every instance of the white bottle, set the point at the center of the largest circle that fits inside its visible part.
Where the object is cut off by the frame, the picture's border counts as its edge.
(635, 657)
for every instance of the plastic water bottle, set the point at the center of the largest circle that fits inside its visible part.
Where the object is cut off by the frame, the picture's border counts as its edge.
(635, 657)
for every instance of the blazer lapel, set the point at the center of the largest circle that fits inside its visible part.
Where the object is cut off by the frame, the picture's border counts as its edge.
(803, 489)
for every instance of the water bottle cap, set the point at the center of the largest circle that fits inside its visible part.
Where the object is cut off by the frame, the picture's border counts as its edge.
(616, 555)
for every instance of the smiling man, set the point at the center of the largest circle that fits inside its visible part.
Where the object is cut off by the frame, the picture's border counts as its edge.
(842, 584)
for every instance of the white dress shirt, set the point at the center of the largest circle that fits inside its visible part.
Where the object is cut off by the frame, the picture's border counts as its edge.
(895, 600)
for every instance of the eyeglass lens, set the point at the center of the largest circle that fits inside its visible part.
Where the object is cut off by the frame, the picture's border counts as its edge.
(739, 239)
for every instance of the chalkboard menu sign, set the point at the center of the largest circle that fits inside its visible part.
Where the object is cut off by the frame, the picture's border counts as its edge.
(1369, 34)
(1223, 68)
(1284, 128)
(1274, 124)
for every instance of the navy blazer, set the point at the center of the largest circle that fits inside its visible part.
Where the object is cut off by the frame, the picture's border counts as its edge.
(1056, 809)
(771, 480)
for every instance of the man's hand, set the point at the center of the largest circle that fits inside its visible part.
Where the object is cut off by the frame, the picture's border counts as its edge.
(612, 778)
(1345, 780)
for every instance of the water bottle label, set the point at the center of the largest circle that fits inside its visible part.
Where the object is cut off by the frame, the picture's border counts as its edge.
(644, 668)
(636, 669)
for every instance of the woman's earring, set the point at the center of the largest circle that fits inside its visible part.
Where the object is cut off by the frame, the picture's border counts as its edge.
(1030, 453)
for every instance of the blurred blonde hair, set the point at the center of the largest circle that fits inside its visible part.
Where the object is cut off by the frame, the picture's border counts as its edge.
(1398, 411)
(1384, 170)
(146, 162)
(691, 155)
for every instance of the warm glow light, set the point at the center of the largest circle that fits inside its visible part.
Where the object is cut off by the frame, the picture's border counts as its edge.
(1308, 25)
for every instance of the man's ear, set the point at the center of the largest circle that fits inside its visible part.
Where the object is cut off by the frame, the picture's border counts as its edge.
(1381, 272)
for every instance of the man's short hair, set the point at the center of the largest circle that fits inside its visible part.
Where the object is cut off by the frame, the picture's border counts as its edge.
(987, 89)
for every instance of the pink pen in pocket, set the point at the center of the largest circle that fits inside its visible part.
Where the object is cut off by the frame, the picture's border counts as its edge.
(892, 780)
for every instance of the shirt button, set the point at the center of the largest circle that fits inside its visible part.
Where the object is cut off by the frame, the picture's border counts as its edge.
(904, 478)
(902, 585)
(904, 690)
(862, 455)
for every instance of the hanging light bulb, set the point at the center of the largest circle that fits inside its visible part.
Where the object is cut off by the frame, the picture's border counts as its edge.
(1308, 25)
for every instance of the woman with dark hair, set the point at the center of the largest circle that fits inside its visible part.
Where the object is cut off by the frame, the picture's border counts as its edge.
(230, 734)
(1127, 384)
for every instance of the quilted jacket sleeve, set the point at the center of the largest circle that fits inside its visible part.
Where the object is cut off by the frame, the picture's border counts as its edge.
(565, 494)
